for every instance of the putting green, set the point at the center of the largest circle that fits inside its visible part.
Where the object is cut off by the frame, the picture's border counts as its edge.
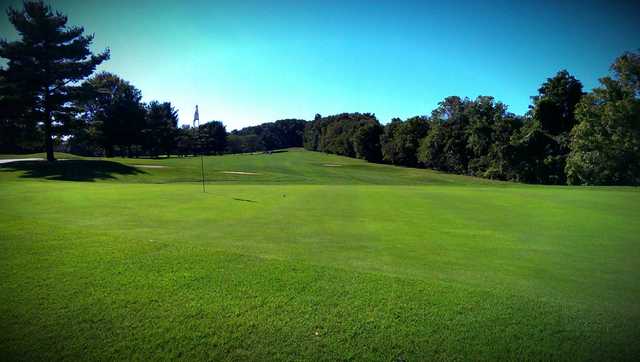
(101, 259)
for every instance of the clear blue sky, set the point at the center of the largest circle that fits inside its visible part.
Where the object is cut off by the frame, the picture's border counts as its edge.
(248, 62)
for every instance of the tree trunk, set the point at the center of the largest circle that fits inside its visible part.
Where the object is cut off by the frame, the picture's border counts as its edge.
(48, 141)
(108, 151)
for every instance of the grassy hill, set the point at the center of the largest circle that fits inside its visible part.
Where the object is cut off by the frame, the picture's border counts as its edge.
(293, 166)
(302, 255)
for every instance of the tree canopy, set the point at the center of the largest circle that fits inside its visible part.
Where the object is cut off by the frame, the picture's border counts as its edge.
(45, 62)
(268, 136)
(542, 144)
(342, 134)
(113, 107)
(605, 145)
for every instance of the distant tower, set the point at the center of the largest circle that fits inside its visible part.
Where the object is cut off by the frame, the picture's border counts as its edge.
(196, 117)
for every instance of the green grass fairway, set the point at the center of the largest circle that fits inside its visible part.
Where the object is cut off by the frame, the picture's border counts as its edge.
(309, 256)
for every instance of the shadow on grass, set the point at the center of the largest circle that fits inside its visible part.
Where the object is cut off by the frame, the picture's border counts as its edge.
(71, 170)
(244, 200)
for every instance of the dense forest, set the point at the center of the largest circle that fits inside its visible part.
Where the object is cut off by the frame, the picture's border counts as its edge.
(54, 100)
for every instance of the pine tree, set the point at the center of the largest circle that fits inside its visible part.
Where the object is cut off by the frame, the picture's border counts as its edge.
(45, 63)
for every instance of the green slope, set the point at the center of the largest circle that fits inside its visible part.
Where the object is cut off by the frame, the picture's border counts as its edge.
(292, 166)
(308, 261)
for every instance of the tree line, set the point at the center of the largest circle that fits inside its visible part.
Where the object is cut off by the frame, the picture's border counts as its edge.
(567, 137)
(51, 98)
(280, 134)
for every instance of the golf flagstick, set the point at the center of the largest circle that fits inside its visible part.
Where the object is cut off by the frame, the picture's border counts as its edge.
(202, 169)
(196, 117)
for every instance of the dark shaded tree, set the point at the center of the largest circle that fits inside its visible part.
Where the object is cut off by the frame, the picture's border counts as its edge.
(554, 106)
(488, 138)
(501, 151)
(312, 132)
(251, 143)
(186, 141)
(542, 145)
(234, 143)
(340, 134)
(113, 107)
(605, 145)
(366, 142)
(400, 140)
(212, 138)
(280, 134)
(160, 129)
(470, 137)
(431, 150)
(84, 140)
(445, 147)
(45, 62)
(19, 130)
(536, 155)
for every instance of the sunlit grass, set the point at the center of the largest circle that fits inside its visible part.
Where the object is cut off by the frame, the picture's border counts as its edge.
(309, 261)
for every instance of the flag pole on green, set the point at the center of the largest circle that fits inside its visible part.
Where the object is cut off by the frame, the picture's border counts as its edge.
(196, 118)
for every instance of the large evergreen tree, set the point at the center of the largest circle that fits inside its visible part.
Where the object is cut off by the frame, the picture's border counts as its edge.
(161, 128)
(18, 131)
(45, 62)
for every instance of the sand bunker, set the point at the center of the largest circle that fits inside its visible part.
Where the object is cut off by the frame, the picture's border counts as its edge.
(150, 166)
(27, 159)
(20, 159)
(239, 173)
